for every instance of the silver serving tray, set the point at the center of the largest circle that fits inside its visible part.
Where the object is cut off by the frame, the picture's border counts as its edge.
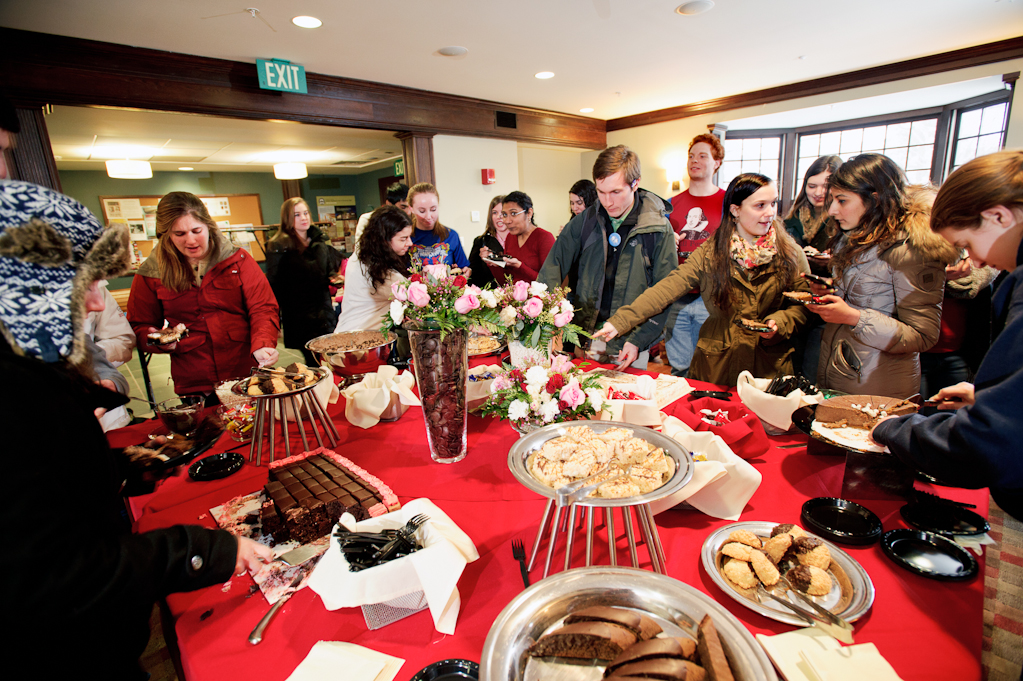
(678, 607)
(860, 589)
(242, 386)
(527, 445)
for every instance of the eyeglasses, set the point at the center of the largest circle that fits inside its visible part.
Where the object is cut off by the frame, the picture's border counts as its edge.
(513, 214)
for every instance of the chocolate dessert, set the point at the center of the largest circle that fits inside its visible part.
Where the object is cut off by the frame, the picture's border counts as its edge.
(168, 335)
(861, 411)
(642, 626)
(584, 641)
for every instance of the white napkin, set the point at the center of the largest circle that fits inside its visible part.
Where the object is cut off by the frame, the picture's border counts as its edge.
(325, 391)
(974, 543)
(785, 650)
(721, 485)
(637, 412)
(772, 410)
(367, 399)
(850, 663)
(325, 658)
(434, 569)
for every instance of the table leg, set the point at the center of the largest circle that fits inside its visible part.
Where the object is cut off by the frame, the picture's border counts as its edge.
(297, 408)
(627, 519)
(609, 520)
(284, 426)
(331, 431)
(270, 415)
(552, 542)
(256, 446)
(312, 418)
(571, 537)
(539, 533)
(589, 536)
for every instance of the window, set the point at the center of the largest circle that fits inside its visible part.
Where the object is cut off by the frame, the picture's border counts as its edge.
(750, 155)
(979, 131)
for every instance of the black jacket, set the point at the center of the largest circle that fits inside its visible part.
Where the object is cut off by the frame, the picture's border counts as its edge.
(481, 274)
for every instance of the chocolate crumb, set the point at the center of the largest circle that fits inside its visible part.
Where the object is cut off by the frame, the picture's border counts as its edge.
(206, 615)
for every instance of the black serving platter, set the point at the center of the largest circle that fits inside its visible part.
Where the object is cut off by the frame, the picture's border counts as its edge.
(216, 467)
(950, 520)
(449, 670)
(841, 521)
(929, 555)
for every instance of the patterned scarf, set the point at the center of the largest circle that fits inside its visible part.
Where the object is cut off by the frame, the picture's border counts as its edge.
(812, 221)
(753, 255)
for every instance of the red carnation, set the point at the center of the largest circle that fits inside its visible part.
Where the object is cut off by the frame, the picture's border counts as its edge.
(556, 383)
(461, 281)
(516, 375)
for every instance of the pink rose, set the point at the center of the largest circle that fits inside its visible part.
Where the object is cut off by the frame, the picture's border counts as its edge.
(502, 382)
(418, 295)
(562, 318)
(398, 289)
(572, 394)
(438, 272)
(466, 303)
(533, 307)
(521, 291)
(561, 364)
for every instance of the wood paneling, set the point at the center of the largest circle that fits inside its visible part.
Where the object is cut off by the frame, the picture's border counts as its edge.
(923, 66)
(31, 156)
(417, 150)
(40, 68)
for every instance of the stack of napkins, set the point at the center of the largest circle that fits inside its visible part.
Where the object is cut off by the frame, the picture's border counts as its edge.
(327, 658)
(812, 655)
(368, 399)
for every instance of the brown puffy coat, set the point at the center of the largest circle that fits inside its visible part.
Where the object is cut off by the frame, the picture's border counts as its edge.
(723, 350)
(898, 292)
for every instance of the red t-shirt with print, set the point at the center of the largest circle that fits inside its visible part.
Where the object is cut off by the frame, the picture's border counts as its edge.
(695, 228)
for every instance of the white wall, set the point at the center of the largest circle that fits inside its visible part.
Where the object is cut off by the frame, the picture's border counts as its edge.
(457, 163)
(663, 146)
(546, 174)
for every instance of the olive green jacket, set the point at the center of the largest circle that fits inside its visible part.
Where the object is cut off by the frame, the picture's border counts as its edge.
(724, 350)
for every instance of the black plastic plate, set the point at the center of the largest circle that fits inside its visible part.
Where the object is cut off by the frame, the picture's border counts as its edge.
(929, 555)
(946, 519)
(449, 670)
(216, 467)
(841, 521)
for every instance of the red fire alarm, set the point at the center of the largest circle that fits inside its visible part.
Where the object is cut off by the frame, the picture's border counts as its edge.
(488, 176)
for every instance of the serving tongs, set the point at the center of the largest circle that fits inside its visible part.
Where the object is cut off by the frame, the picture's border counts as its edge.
(822, 618)
(576, 491)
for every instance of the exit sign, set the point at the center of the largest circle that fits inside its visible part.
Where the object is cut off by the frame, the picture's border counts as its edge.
(399, 168)
(277, 74)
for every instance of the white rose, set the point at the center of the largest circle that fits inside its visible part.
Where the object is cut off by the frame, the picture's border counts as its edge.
(566, 306)
(537, 289)
(549, 410)
(397, 311)
(517, 410)
(488, 298)
(507, 316)
(596, 398)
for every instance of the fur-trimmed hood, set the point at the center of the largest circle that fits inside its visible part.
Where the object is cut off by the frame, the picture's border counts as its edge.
(52, 249)
(916, 226)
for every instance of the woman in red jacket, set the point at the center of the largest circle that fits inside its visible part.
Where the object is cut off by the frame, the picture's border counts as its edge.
(197, 278)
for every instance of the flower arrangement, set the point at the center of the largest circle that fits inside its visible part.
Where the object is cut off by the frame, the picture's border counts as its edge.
(538, 395)
(531, 313)
(432, 298)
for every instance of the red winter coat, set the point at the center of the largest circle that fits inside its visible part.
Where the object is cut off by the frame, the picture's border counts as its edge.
(229, 316)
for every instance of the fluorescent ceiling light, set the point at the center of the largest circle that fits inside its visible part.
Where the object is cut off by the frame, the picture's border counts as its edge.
(186, 168)
(307, 22)
(544, 75)
(129, 170)
(588, 109)
(290, 171)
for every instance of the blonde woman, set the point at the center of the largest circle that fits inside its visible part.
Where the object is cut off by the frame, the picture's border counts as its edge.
(432, 242)
(197, 278)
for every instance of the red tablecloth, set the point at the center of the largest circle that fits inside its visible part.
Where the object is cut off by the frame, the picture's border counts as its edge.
(926, 629)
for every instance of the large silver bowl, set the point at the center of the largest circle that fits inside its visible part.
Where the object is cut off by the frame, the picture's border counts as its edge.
(676, 606)
(348, 363)
(521, 450)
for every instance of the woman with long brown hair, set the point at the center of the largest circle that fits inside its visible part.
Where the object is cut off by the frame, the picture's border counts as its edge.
(493, 239)
(432, 242)
(196, 277)
(807, 221)
(889, 276)
(299, 264)
(741, 271)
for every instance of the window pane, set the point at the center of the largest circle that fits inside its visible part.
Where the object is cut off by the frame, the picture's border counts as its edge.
(733, 150)
(969, 124)
(993, 118)
(873, 138)
(751, 149)
(829, 143)
(918, 176)
(852, 141)
(920, 157)
(923, 131)
(749, 166)
(771, 148)
(804, 165)
(966, 150)
(898, 135)
(809, 146)
(898, 155)
(989, 144)
(770, 168)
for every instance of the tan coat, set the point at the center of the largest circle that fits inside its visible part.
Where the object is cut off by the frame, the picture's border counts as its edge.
(724, 350)
(898, 292)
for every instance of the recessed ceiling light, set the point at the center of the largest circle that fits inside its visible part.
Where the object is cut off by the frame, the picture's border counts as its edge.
(588, 109)
(544, 75)
(694, 7)
(453, 51)
(186, 168)
(307, 22)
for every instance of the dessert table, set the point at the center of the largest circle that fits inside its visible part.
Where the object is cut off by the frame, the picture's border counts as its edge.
(926, 629)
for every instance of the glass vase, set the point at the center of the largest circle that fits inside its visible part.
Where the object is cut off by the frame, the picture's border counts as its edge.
(522, 357)
(442, 367)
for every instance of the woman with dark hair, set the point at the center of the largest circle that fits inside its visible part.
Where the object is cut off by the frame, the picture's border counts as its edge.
(197, 278)
(889, 275)
(432, 242)
(380, 260)
(807, 220)
(493, 238)
(980, 209)
(299, 264)
(581, 196)
(741, 271)
(527, 245)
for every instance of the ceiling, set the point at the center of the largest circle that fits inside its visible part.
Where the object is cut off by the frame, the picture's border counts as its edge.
(620, 57)
(84, 137)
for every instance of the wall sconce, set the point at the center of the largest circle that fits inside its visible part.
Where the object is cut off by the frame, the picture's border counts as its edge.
(290, 171)
(129, 170)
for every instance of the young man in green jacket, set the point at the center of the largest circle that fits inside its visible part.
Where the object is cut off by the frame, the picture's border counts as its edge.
(614, 251)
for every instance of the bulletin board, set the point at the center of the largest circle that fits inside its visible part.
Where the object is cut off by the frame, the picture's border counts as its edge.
(139, 213)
